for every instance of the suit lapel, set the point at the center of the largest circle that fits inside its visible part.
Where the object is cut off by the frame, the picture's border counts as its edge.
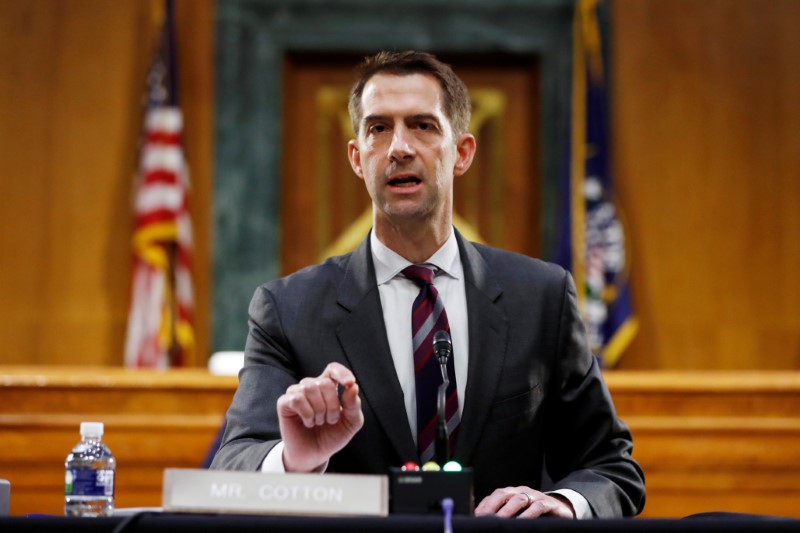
(488, 338)
(362, 335)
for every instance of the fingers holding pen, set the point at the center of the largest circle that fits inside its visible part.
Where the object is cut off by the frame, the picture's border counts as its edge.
(315, 400)
(315, 421)
(349, 400)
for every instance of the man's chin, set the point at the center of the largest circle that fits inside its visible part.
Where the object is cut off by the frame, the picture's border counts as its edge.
(405, 212)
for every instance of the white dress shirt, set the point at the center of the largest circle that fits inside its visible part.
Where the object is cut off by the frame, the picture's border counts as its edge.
(397, 298)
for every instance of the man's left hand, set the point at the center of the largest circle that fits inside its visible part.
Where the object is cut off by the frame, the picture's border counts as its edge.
(524, 502)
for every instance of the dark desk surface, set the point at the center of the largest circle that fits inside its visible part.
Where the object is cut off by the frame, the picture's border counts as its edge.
(179, 523)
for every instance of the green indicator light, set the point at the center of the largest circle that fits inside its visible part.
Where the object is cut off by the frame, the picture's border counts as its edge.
(451, 466)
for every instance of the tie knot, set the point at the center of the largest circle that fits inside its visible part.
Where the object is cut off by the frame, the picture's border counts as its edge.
(419, 274)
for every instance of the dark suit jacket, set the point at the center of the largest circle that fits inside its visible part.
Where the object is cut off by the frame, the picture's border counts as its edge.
(535, 397)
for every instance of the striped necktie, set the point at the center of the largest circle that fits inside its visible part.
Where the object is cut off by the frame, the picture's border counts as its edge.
(427, 317)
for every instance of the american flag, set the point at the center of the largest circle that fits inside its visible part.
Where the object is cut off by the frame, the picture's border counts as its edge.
(160, 320)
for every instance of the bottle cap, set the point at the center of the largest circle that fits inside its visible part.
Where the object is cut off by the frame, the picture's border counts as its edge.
(91, 429)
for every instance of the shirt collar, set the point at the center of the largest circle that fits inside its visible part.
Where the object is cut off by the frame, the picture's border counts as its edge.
(389, 263)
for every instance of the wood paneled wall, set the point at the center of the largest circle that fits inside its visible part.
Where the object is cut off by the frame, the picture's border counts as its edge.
(71, 94)
(706, 113)
(706, 130)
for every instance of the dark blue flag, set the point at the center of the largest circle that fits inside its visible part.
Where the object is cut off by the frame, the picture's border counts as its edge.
(592, 242)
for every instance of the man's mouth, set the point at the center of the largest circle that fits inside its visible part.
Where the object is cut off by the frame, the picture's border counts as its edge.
(404, 181)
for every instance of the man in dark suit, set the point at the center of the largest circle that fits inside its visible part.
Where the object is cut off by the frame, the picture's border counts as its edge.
(329, 376)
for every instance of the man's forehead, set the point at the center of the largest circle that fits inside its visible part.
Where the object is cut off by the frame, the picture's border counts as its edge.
(390, 91)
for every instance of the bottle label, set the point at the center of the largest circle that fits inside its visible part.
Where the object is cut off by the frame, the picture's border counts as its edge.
(85, 482)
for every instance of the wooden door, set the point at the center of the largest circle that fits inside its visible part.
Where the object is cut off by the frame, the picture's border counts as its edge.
(325, 207)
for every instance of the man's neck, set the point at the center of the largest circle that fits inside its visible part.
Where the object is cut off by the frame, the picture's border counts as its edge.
(415, 242)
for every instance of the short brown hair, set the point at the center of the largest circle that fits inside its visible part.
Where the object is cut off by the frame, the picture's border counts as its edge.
(457, 105)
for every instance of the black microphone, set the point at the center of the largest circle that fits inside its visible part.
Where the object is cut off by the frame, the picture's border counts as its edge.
(443, 348)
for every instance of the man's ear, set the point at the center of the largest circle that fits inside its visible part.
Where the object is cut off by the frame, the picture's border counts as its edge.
(354, 155)
(466, 151)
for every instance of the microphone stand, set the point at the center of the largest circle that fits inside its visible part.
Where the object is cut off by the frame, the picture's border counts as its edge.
(442, 446)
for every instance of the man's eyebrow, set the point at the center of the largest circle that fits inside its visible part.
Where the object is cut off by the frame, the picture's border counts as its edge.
(413, 118)
(375, 118)
(425, 116)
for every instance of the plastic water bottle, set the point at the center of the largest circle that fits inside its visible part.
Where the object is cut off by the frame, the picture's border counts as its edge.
(89, 476)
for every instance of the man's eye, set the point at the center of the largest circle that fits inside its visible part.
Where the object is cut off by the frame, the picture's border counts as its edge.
(425, 126)
(377, 128)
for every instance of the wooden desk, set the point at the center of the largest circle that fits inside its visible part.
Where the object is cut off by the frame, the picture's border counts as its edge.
(714, 441)
(708, 441)
(152, 420)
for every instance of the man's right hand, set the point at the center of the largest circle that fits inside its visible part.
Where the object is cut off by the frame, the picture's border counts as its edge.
(314, 423)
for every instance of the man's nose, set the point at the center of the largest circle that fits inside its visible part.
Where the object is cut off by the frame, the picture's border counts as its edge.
(402, 145)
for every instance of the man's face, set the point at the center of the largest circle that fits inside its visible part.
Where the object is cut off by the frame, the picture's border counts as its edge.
(405, 151)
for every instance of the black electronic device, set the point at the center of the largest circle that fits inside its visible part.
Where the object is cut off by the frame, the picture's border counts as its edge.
(422, 492)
